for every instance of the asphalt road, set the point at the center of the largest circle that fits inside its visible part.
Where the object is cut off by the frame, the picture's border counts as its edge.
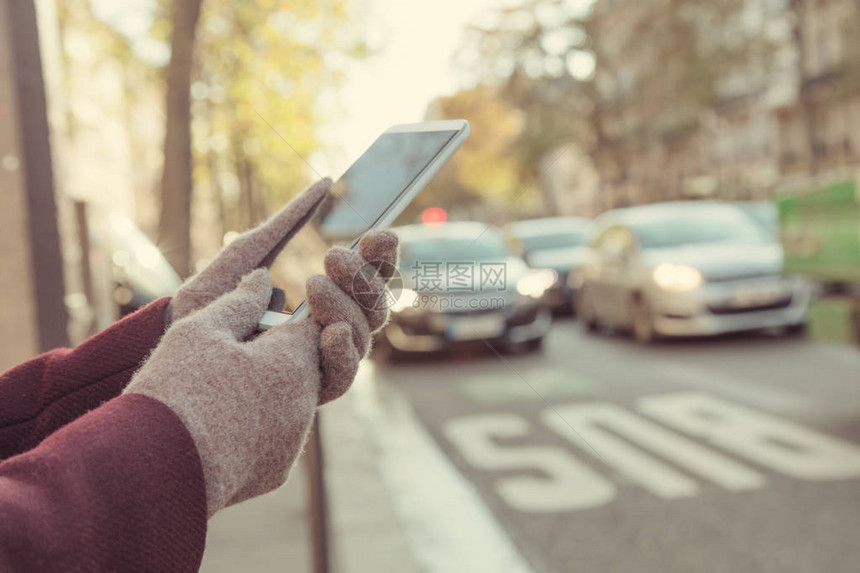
(740, 454)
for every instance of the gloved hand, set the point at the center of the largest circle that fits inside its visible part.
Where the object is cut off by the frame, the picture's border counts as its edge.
(249, 402)
(254, 249)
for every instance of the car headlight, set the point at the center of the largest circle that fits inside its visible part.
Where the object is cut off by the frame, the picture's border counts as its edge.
(406, 299)
(676, 277)
(536, 283)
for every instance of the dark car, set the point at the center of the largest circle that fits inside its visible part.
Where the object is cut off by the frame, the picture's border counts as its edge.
(558, 244)
(461, 285)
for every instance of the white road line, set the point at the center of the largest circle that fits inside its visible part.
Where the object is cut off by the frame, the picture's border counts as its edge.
(749, 391)
(567, 484)
(773, 442)
(591, 421)
(448, 525)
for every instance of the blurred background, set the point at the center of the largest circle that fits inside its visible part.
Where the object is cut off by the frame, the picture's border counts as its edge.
(666, 378)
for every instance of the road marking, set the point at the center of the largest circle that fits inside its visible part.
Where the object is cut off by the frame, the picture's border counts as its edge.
(566, 483)
(546, 382)
(847, 355)
(756, 393)
(628, 443)
(591, 421)
(779, 444)
(448, 525)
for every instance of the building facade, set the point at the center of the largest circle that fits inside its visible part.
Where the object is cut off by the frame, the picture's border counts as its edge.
(780, 107)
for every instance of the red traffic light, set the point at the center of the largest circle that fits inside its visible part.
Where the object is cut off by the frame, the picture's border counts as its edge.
(434, 216)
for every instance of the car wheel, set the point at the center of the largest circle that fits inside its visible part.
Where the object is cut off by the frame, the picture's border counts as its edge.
(641, 321)
(586, 313)
(798, 330)
(535, 345)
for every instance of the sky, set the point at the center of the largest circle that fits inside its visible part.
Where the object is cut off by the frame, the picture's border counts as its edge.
(418, 40)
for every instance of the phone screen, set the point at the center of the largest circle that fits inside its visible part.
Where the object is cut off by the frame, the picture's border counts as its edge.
(357, 200)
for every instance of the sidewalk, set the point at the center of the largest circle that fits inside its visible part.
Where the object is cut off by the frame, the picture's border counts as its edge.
(271, 533)
(396, 503)
(263, 535)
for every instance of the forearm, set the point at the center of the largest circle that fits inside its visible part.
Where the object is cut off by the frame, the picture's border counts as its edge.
(43, 394)
(119, 489)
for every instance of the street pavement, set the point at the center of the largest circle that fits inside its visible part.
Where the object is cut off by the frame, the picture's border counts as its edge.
(271, 533)
(736, 454)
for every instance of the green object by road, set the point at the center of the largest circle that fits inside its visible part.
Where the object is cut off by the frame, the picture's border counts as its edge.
(821, 232)
(831, 319)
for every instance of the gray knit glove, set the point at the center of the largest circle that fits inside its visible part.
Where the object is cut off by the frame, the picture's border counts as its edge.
(248, 401)
(254, 249)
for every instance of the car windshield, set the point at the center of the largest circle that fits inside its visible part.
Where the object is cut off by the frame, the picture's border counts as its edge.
(452, 249)
(698, 228)
(765, 214)
(558, 240)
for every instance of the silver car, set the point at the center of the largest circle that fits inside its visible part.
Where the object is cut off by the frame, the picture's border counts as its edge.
(687, 269)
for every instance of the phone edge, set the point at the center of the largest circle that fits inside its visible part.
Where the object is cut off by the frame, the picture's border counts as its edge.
(272, 318)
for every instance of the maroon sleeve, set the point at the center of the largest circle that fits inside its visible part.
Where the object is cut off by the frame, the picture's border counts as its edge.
(42, 395)
(119, 489)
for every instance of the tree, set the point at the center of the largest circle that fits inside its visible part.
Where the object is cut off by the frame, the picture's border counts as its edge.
(822, 82)
(485, 169)
(536, 56)
(243, 112)
(611, 85)
(263, 66)
(174, 232)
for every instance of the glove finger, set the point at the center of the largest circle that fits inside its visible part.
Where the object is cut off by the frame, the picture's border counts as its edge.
(380, 249)
(275, 233)
(239, 311)
(330, 305)
(257, 247)
(339, 359)
(292, 345)
(360, 280)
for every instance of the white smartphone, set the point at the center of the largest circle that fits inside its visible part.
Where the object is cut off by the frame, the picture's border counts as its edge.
(379, 186)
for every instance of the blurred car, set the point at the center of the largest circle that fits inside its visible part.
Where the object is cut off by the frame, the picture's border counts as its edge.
(765, 213)
(557, 243)
(686, 269)
(460, 284)
(141, 273)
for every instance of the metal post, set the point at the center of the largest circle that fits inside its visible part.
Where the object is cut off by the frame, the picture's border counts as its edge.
(83, 232)
(318, 504)
(32, 119)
